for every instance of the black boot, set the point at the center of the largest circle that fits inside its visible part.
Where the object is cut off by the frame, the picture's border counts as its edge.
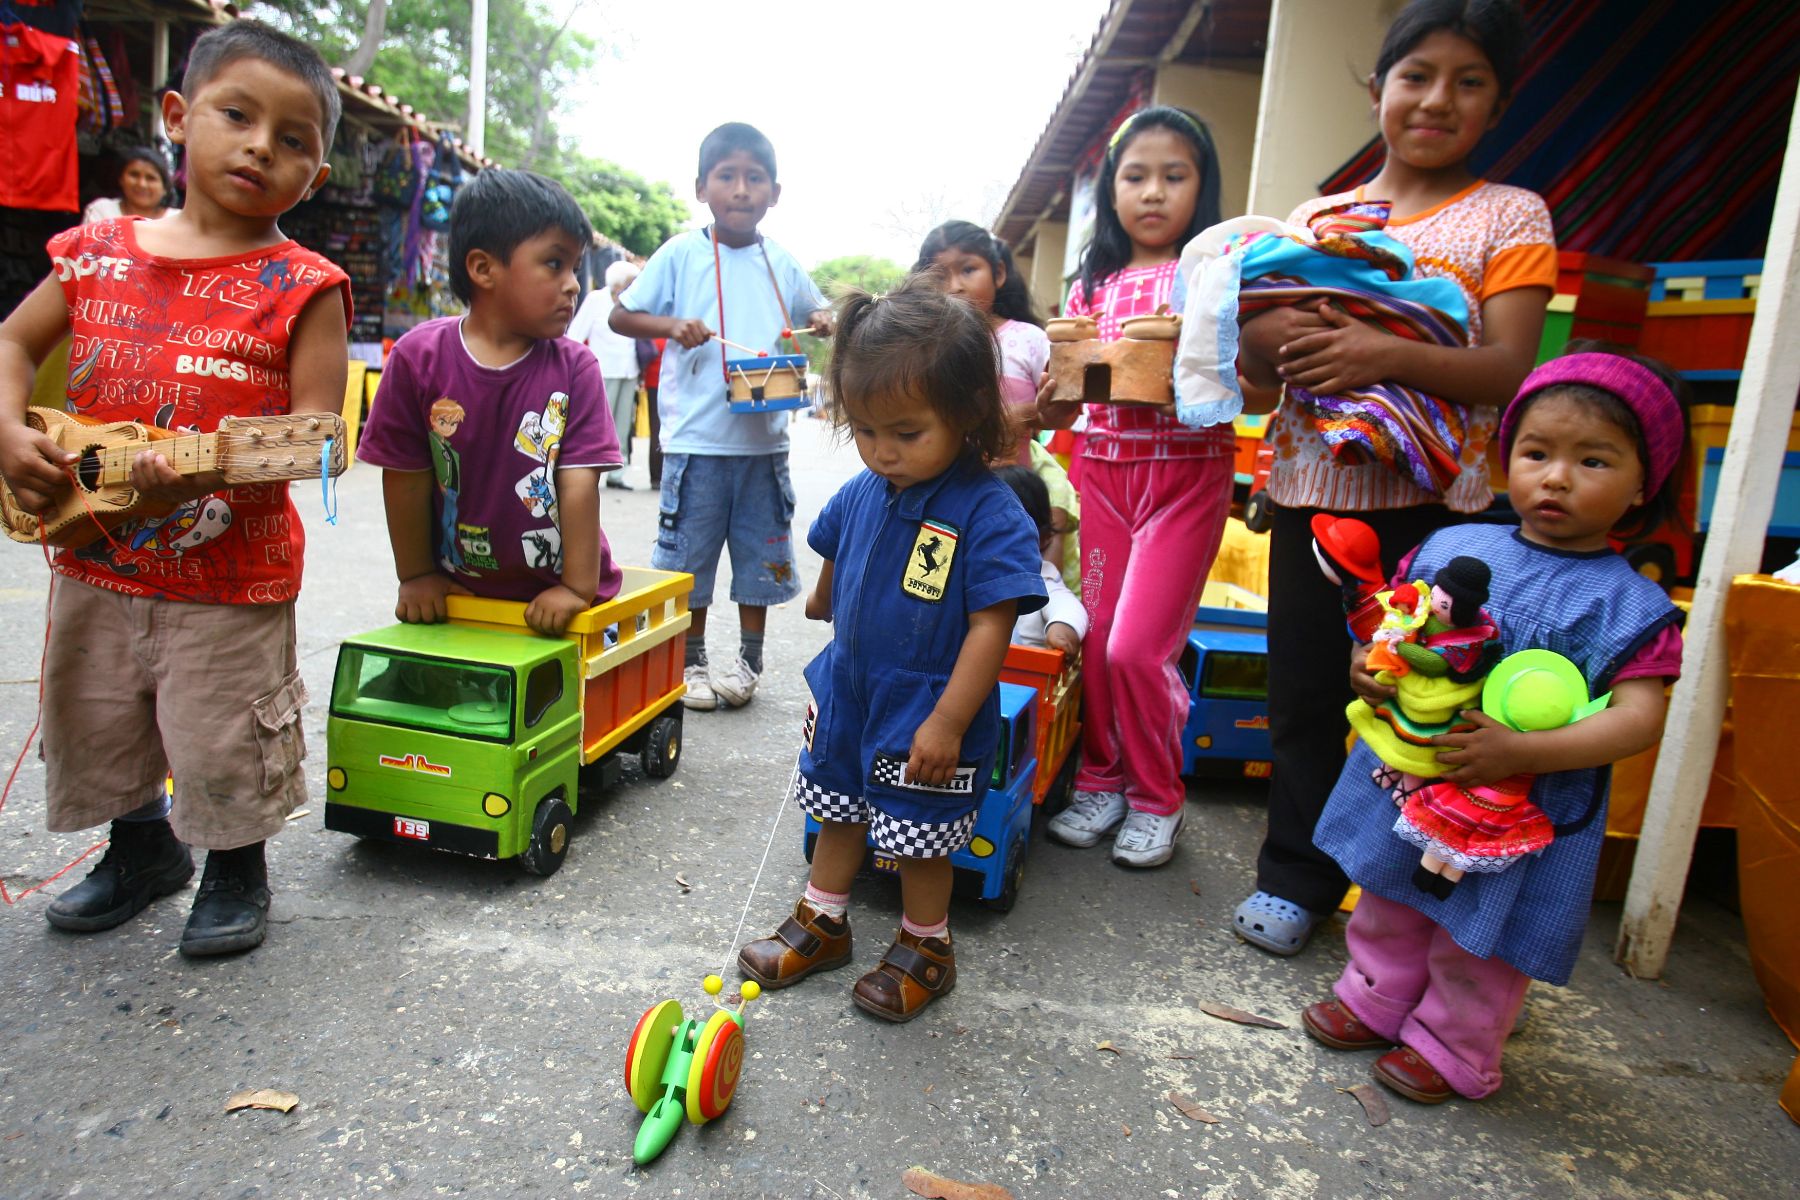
(143, 861)
(231, 909)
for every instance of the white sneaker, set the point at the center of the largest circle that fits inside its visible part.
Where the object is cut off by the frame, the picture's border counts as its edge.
(1091, 817)
(1147, 840)
(700, 695)
(737, 684)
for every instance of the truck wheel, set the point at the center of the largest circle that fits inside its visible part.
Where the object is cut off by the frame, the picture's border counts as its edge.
(662, 749)
(1015, 872)
(549, 836)
(1258, 512)
(1654, 561)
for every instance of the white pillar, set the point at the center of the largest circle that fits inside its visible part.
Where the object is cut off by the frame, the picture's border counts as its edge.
(1315, 110)
(476, 135)
(1740, 519)
(159, 71)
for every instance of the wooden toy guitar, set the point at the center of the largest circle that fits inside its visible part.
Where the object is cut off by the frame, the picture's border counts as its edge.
(243, 450)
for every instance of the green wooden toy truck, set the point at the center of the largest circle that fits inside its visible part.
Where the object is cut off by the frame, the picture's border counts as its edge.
(477, 736)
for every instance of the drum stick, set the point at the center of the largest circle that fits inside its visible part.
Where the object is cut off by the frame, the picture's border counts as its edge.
(745, 349)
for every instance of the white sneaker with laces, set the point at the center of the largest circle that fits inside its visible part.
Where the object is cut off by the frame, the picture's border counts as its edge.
(1147, 839)
(1089, 818)
(700, 695)
(737, 685)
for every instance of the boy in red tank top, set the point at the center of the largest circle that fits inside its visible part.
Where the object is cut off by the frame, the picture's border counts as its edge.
(206, 313)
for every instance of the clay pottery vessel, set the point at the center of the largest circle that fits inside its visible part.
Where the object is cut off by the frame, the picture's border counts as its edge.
(1071, 329)
(1162, 327)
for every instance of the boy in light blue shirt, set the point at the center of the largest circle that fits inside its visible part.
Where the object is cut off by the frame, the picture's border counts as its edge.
(725, 474)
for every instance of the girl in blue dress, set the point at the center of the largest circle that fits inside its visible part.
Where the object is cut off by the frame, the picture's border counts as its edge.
(928, 559)
(1592, 441)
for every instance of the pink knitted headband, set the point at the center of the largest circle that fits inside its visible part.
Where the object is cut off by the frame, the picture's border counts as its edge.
(1637, 387)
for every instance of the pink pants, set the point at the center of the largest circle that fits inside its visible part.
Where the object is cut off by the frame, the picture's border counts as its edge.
(1149, 532)
(1408, 981)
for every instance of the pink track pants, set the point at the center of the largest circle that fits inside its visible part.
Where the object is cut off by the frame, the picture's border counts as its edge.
(1150, 529)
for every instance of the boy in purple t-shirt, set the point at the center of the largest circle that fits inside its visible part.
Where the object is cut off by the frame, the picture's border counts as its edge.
(492, 429)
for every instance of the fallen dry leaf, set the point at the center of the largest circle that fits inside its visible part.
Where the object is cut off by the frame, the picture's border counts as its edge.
(1186, 1107)
(928, 1088)
(1127, 1130)
(682, 883)
(1568, 1163)
(1227, 1013)
(921, 1182)
(1108, 1047)
(262, 1098)
(1374, 1104)
(1194, 886)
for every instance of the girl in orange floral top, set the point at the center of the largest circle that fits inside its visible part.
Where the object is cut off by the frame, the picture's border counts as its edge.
(1443, 78)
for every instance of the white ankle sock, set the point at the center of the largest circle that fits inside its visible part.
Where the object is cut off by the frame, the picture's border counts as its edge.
(831, 904)
(940, 930)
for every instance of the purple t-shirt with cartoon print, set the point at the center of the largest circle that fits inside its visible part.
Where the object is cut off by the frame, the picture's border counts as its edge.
(493, 437)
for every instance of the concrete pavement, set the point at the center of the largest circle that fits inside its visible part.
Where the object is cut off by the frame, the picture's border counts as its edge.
(455, 1027)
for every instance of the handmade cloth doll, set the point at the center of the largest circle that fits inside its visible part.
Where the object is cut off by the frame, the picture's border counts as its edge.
(1349, 555)
(1403, 615)
(1435, 645)
(1490, 827)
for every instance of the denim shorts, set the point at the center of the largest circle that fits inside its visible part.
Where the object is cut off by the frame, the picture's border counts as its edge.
(746, 501)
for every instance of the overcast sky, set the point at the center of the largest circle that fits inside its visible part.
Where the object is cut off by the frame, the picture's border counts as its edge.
(886, 119)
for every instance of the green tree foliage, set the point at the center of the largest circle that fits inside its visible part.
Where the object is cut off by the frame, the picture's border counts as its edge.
(865, 271)
(624, 206)
(535, 55)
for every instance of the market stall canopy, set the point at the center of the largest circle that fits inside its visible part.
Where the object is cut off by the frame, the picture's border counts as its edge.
(1654, 130)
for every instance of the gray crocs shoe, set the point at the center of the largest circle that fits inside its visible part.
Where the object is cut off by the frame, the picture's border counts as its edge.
(1278, 926)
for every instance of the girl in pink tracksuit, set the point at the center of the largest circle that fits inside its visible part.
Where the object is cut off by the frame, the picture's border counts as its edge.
(1154, 496)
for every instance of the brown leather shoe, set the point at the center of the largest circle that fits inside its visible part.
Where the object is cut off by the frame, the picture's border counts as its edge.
(806, 942)
(1410, 1075)
(914, 972)
(1331, 1023)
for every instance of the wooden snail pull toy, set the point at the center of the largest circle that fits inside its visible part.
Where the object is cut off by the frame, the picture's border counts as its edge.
(678, 1066)
(1138, 368)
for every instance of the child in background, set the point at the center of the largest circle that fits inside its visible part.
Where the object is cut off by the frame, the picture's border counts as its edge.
(976, 266)
(725, 474)
(197, 629)
(491, 429)
(1442, 80)
(1593, 438)
(1154, 494)
(928, 559)
(618, 357)
(1062, 622)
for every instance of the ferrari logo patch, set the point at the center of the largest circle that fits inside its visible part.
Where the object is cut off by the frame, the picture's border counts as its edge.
(927, 572)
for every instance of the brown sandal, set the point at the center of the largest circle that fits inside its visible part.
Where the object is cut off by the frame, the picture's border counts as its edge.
(914, 972)
(806, 942)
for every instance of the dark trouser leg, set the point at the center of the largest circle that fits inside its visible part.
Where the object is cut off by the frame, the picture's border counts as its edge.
(1309, 687)
(655, 439)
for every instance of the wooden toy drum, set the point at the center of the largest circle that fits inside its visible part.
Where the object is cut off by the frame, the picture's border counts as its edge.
(771, 384)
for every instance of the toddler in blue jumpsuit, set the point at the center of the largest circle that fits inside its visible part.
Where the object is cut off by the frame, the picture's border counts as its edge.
(928, 559)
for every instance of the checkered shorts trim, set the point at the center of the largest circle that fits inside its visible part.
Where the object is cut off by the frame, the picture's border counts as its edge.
(823, 804)
(914, 839)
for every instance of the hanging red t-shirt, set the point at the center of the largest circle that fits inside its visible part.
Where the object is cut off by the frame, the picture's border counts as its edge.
(40, 76)
(181, 343)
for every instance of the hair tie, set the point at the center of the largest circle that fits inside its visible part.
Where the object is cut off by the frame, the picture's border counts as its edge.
(1128, 122)
(1637, 387)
